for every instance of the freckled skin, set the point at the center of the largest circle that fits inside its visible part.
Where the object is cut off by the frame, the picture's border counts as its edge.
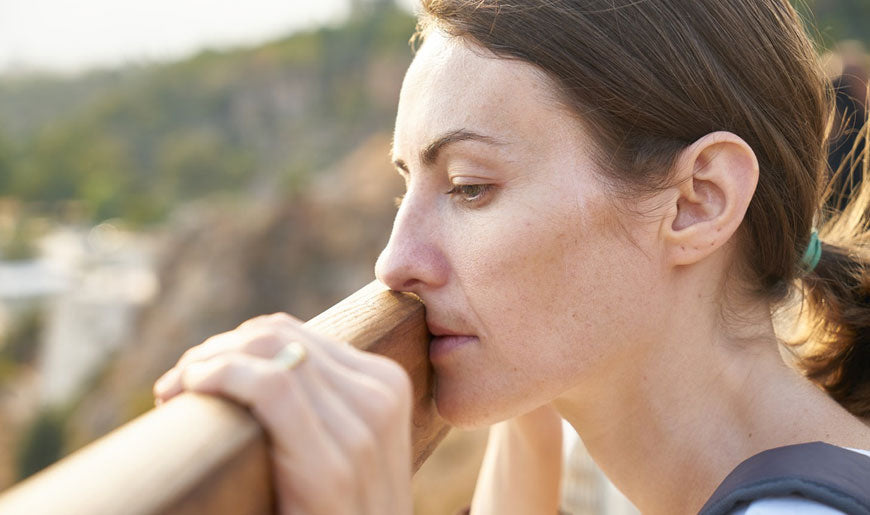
(541, 272)
(584, 299)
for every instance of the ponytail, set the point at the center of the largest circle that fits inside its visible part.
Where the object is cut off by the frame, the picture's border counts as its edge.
(834, 348)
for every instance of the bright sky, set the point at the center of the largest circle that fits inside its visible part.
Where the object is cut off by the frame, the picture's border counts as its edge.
(70, 35)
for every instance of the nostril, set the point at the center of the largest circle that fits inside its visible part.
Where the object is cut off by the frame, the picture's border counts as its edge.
(396, 281)
(408, 285)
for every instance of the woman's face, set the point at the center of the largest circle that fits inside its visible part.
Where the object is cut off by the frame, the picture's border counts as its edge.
(510, 238)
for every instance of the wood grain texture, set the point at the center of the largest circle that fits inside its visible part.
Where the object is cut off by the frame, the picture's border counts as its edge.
(199, 454)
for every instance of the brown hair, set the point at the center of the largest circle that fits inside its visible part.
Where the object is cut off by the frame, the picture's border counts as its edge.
(651, 77)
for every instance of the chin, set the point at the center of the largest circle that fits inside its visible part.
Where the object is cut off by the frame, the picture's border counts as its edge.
(465, 409)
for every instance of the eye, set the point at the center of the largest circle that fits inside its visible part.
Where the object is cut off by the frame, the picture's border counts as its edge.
(470, 193)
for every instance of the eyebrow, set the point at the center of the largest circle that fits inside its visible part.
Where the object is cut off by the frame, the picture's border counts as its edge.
(429, 155)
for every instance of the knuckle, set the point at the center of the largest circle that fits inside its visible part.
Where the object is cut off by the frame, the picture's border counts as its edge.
(270, 319)
(191, 353)
(198, 352)
(254, 322)
(262, 341)
(281, 317)
(265, 328)
(211, 340)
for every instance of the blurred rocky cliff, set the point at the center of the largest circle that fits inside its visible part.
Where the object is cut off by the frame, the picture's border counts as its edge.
(222, 264)
(145, 208)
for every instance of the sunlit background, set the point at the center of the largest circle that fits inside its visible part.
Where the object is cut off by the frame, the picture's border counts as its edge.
(68, 36)
(170, 168)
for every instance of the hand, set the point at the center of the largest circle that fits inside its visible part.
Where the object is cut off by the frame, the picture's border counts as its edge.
(522, 466)
(338, 422)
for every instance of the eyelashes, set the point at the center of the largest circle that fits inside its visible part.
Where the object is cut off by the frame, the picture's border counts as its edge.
(468, 194)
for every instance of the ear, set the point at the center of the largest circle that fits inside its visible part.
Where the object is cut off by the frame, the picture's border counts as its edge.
(716, 178)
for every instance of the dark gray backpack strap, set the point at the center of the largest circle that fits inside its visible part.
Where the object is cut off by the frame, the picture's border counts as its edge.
(825, 473)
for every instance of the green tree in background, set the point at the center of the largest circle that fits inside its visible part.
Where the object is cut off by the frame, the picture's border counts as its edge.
(836, 20)
(42, 444)
(228, 123)
(5, 165)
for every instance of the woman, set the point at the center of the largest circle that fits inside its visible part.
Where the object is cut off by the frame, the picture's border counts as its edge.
(606, 201)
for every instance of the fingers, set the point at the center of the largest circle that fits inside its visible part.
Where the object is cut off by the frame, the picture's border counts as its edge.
(299, 406)
(358, 446)
(256, 336)
(268, 319)
(259, 338)
(263, 342)
(169, 384)
(265, 336)
(340, 415)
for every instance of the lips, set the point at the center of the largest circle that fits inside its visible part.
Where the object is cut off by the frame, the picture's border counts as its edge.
(445, 341)
(441, 347)
(440, 330)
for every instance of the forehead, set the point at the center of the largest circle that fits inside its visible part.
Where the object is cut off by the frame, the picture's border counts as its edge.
(453, 84)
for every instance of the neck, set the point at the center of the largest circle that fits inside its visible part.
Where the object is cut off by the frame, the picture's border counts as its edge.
(694, 404)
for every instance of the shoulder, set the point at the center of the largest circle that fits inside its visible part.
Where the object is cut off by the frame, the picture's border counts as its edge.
(789, 505)
(860, 451)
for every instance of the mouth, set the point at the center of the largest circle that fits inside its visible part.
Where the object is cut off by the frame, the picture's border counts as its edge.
(441, 347)
(437, 330)
(445, 341)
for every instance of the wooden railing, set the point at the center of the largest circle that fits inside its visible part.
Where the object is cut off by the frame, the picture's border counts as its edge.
(200, 454)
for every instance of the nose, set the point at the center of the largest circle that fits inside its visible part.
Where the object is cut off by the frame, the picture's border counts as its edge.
(412, 260)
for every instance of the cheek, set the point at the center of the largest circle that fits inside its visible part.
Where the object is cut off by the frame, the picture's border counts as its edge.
(553, 292)
(519, 276)
(541, 268)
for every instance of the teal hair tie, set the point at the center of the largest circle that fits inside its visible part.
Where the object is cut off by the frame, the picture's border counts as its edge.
(813, 253)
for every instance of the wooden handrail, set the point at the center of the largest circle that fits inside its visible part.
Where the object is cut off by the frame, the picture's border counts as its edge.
(200, 454)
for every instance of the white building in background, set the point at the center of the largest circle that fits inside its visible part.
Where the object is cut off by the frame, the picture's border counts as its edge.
(110, 278)
(89, 286)
(26, 286)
